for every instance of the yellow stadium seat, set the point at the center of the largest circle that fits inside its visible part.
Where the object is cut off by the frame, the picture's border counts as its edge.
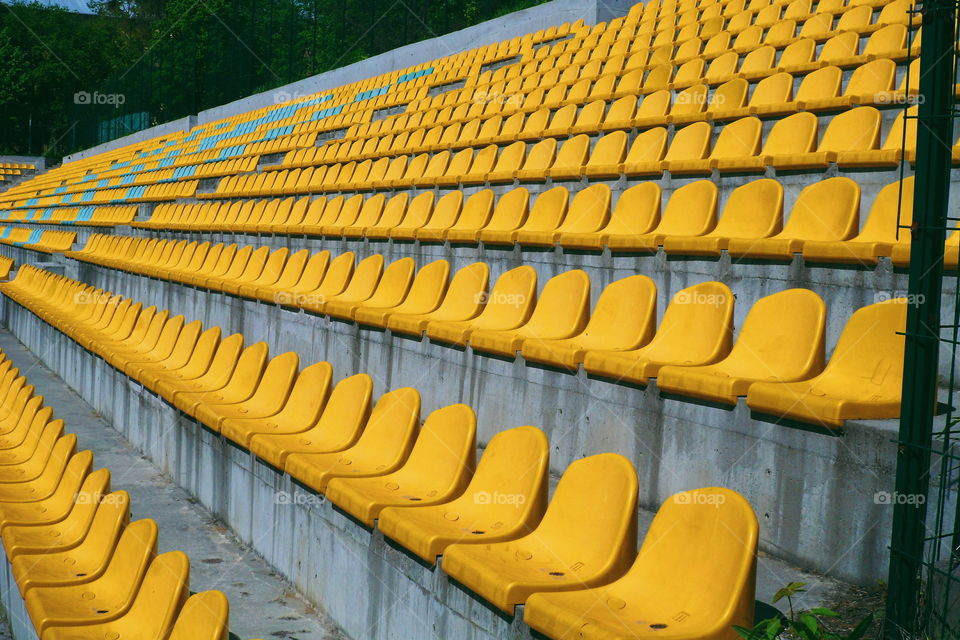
(103, 593)
(508, 306)
(698, 557)
(438, 469)
(753, 210)
(561, 311)
(782, 339)
(586, 538)
(463, 301)
(508, 214)
(382, 448)
(828, 210)
(624, 319)
(862, 380)
(690, 211)
(203, 617)
(704, 311)
(887, 225)
(505, 499)
(164, 589)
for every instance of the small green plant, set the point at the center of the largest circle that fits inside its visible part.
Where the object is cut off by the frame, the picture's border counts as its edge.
(807, 625)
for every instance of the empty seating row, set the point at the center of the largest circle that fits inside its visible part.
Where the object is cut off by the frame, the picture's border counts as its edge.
(781, 342)
(851, 140)
(82, 569)
(823, 225)
(105, 216)
(422, 485)
(38, 239)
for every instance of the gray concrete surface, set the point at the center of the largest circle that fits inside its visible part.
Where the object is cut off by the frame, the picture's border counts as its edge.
(263, 604)
(373, 589)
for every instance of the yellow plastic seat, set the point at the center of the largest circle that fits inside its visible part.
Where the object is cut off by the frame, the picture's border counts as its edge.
(561, 311)
(334, 427)
(782, 339)
(826, 210)
(304, 282)
(229, 381)
(424, 295)
(861, 381)
(505, 499)
(222, 355)
(795, 134)
(881, 232)
(753, 210)
(855, 130)
(572, 157)
(623, 319)
(648, 149)
(57, 506)
(637, 212)
(547, 212)
(736, 140)
(303, 405)
(101, 517)
(509, 305)
(382, 448)
(445, 215)
(588, 212)
(359, 285)
(63, 468)
(508, 214)
(698, 557)
(535, 165)
(164, 590)
(203, 616)
(900, 144)
(463, 300)
(86, 600)
(475, 215)
(586, 538)
(703, 311)
(390, 289)
(690, 211)
(438, 469)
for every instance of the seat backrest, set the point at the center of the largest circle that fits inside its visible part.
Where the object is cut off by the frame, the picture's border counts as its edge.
(589, 211)
(740, 138)
(697, 325)
(825, 210)
(903, 132)
(870, 348)
(654, 105)
(563, 306)
(701, 542)
(203, 617)
(592, 515)
(796, 133)
(625, 315)
(548, 210)
(511, 210)
(874, 77)
(512, 299)
(854, 130)
(753, 210)
(691, 100)
(648, 146)
(691, 210)
(799, 52)
(882, 223)
(732, 94)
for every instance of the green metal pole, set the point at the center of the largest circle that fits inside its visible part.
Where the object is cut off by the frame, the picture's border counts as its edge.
(934, 138)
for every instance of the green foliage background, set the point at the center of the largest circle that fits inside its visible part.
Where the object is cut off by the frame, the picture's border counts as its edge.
(172, 58)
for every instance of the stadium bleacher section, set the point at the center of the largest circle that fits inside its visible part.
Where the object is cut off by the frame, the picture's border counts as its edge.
(503, 227)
